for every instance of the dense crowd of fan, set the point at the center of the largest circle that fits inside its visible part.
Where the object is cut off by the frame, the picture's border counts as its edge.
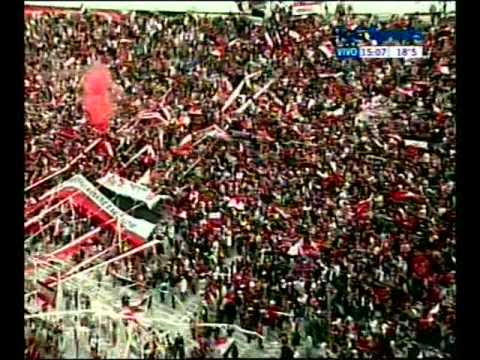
(344, 242)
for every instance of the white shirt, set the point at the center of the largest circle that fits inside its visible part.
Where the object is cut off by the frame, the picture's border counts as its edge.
(183, 285)
(171, 230)
(215, 246)
(66, 231)
(228, 238)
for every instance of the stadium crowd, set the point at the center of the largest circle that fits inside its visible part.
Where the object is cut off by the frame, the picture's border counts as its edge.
(310, 220)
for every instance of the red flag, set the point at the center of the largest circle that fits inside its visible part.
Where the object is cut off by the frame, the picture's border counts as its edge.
(264, 136)
(421, 83)
(320, 245)
(408, 223)
(406, 92)
(412, 152)
(184, 150)
(104, 148)
(128, 314)
(440, 119)
(364, 345)
(218, 52)
(293, 113)
(404, 196)
(332, 120)
(362, 209)
(332, 181)
(213, 224)
(220, 342)
(195, 110)
(446, 279)
(229, 298)
(148, 160)
(111, 16)
(311, 251)
(425, 323)
(68, 134)
(32, 229)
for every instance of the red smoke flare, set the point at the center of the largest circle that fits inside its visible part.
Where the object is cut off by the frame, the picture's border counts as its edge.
(97, 101)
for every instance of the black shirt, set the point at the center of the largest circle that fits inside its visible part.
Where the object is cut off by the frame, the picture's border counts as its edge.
(287, 352)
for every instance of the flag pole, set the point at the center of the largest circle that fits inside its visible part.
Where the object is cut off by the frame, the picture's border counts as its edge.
(98, 316)
(329, 315)
(35, 282)
(72, 235)
(191, 167)
(117, 258)
(44, 212)
(77, 322)
(119, 234)
(129, 341)
(160, 136)
(134, 157)
(59, 294)
(67, 167)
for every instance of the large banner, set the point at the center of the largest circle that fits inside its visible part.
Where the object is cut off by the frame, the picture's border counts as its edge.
(306, 7)
(93, 203)
(129, 189)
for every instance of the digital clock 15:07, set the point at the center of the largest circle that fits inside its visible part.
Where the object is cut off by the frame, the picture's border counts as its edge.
(389, 52)
(380, 52)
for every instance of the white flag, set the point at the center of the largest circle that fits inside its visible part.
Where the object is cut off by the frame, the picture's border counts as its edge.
(294, 35)
(236, 203)
(417, 144)
(327, 49)
(233, 96)
(151, 115)
(269, 40)
(215, 215)
(435, 310)
(145, 179)
(444, 70)
(220, 134)
(296, 249)
(185, 140)
(130, 189)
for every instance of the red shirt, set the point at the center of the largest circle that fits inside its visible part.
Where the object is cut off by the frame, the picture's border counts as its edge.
(272, 315)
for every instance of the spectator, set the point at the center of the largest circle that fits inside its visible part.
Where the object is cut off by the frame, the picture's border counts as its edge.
(314, 181)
